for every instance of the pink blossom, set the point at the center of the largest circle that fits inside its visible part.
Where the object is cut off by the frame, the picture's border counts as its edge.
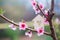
(37, 11)
(33, 2)
(46, 12)
(29, 33)
(22, 26)
(40, 31)
(41, 6)
(12, 27)
(34, 5)
(46, 21)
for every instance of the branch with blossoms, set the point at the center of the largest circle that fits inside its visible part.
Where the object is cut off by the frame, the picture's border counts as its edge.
(13, 23)
(38, 8)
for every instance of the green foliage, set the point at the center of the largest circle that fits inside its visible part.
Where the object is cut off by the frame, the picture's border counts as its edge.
(48, 37)
(12, 33)
(1, 11)
(47, 28)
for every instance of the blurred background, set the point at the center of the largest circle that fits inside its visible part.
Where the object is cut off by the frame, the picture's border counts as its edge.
(18, 10)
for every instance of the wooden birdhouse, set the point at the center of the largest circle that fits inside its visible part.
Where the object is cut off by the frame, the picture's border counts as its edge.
(38, 21)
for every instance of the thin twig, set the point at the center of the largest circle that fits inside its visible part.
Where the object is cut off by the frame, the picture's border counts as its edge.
(46, 33)
(40, 10)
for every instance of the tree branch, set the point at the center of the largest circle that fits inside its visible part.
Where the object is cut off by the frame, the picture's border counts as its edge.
(42, 12)
(46, 33)
(52, 6)
(53, 34)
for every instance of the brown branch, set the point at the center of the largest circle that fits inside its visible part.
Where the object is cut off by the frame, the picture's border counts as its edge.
(52, 6)
(8, 20)
(53, 34)
(46, 33)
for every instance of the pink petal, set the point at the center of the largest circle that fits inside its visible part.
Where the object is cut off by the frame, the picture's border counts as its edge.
(46, 22)
(36, 12)
(39, 34)
(41, 6)
(12, 27)
(29, 33)
(22, 26)
(40, 31)
(46, 13)
(34, 4)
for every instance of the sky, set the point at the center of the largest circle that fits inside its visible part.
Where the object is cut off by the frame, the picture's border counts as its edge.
(27, 3)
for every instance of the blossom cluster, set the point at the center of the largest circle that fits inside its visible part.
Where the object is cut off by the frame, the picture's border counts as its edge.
(35, 7)
(37, 10)
(24, 26)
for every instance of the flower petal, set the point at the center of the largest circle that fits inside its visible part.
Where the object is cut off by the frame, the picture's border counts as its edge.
(29, 33)
(46, 12)
(12, 27)
(22, 26)
(40, 31)
(46, 21)
(41, 6)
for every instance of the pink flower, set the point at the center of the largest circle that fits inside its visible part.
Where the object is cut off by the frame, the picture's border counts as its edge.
(29, 33)
(37, 11)
(34, 4)
(22, 26)
(12, 27)
(35, 7)
(46, 12)
(41, 6)
(40, 31)
(46, 22)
